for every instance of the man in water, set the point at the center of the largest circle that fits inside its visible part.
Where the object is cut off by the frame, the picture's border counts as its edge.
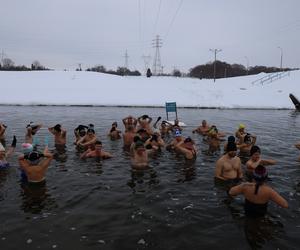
(202, 129)
(257, 194)
(128, 137)
(114, 133)
(187, 148)
(228, 167)
(31, 130)
(139, 158)
(35, 165)
(59, 135)
(6, 154)
(80, 132)
(178, 138)
(96, 153)
(130, 121)
(88, 140)
(2, 133)
(144, 123)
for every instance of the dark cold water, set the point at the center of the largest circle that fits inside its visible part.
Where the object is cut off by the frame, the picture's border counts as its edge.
(175, 205)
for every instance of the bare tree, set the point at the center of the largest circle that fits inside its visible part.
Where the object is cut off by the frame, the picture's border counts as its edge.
(7, 63)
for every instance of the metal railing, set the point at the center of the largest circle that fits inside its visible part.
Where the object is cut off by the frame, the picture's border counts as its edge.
(271, 77)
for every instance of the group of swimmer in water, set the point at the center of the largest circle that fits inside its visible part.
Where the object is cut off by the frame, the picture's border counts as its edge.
(142, 139)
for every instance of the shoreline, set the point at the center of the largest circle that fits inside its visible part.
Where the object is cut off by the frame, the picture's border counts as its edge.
(139, 106)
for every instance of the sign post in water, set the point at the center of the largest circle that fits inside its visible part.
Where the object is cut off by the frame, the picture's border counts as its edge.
(171, 107)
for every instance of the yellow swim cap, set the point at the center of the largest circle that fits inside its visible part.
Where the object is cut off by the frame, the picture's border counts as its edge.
(242, 126)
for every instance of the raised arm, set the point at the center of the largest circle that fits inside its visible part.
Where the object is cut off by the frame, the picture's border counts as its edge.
(12, 147)
(236, 190)
(278, 199)
(47, 158)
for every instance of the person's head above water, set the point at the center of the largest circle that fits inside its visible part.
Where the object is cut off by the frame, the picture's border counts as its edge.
(241, 126)
(231, 139)
(177, 133)
(27, 148)
(90, 131)
(247, 138)
(254, 149)
(57, 128)
(260, 173)
(33, 157)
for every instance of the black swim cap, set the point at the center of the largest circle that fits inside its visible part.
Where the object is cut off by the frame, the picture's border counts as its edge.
(247, 138)
(139, 144)
(90, 130)
(57, 127)
(254, 149)
(33, 156)
(231, 146)
(188, 139)
(231, 139)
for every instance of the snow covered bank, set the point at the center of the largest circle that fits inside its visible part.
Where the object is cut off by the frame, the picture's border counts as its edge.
(89, 88)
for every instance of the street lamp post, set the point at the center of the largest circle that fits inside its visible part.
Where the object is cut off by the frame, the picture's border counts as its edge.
(215, 51)
(247, 64)
(281, 52)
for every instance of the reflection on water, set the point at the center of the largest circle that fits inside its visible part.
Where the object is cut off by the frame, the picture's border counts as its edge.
(175, 204)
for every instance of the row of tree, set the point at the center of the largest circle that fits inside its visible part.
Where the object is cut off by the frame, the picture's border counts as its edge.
(121, 71)
(219, 69)
(9, 65)
(223, 70)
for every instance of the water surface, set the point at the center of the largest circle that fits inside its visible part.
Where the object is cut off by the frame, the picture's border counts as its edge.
(175, 205)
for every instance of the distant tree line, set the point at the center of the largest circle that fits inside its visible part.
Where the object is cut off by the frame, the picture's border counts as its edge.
(121, 71)
(224, 70)
(9, 65)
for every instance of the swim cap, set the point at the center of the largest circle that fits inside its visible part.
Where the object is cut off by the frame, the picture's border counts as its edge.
(57, 127)
(33, 157)
(188, 139)
(27, 148)
(254, 149)
(90, 130)
(231, 146)
(177, 133)
(242, 126)
(247, 138)
(260, 173)
(231, 139)
(1, 147)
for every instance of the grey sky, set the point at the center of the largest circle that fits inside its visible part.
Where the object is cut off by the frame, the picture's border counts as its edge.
(62, 33)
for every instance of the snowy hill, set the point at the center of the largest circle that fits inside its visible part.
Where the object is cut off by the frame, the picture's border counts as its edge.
(90, 88)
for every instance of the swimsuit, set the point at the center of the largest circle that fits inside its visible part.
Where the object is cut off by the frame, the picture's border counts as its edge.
(255, 209)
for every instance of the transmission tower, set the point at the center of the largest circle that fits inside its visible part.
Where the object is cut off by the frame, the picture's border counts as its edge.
(126, 59)
(157, 43)
(215, 51)
(2, 54)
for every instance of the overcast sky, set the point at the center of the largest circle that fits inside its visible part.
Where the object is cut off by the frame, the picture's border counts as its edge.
(62, 33)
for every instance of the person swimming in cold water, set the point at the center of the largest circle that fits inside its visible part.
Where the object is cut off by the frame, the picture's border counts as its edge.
(60, 135)
(128, 136)
(139, 155)
(2, 133)
(96, 153)
(240, 133)
(257, 194)
(80, 132)
(202, 129)
(187, 149)
(178, 138)
(228, 167)
(31, 130)
(4, 155)
(114, 133)
(88, 141)
(255, 160)
(144, 122)
(35, 164)
(130, 121)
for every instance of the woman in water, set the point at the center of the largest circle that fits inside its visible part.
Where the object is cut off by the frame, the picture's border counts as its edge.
(257, 194)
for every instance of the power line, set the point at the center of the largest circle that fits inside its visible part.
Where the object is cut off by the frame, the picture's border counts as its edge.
(173, 19)
(157, 16)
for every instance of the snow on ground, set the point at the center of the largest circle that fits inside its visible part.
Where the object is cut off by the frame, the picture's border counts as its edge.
(90, 88)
